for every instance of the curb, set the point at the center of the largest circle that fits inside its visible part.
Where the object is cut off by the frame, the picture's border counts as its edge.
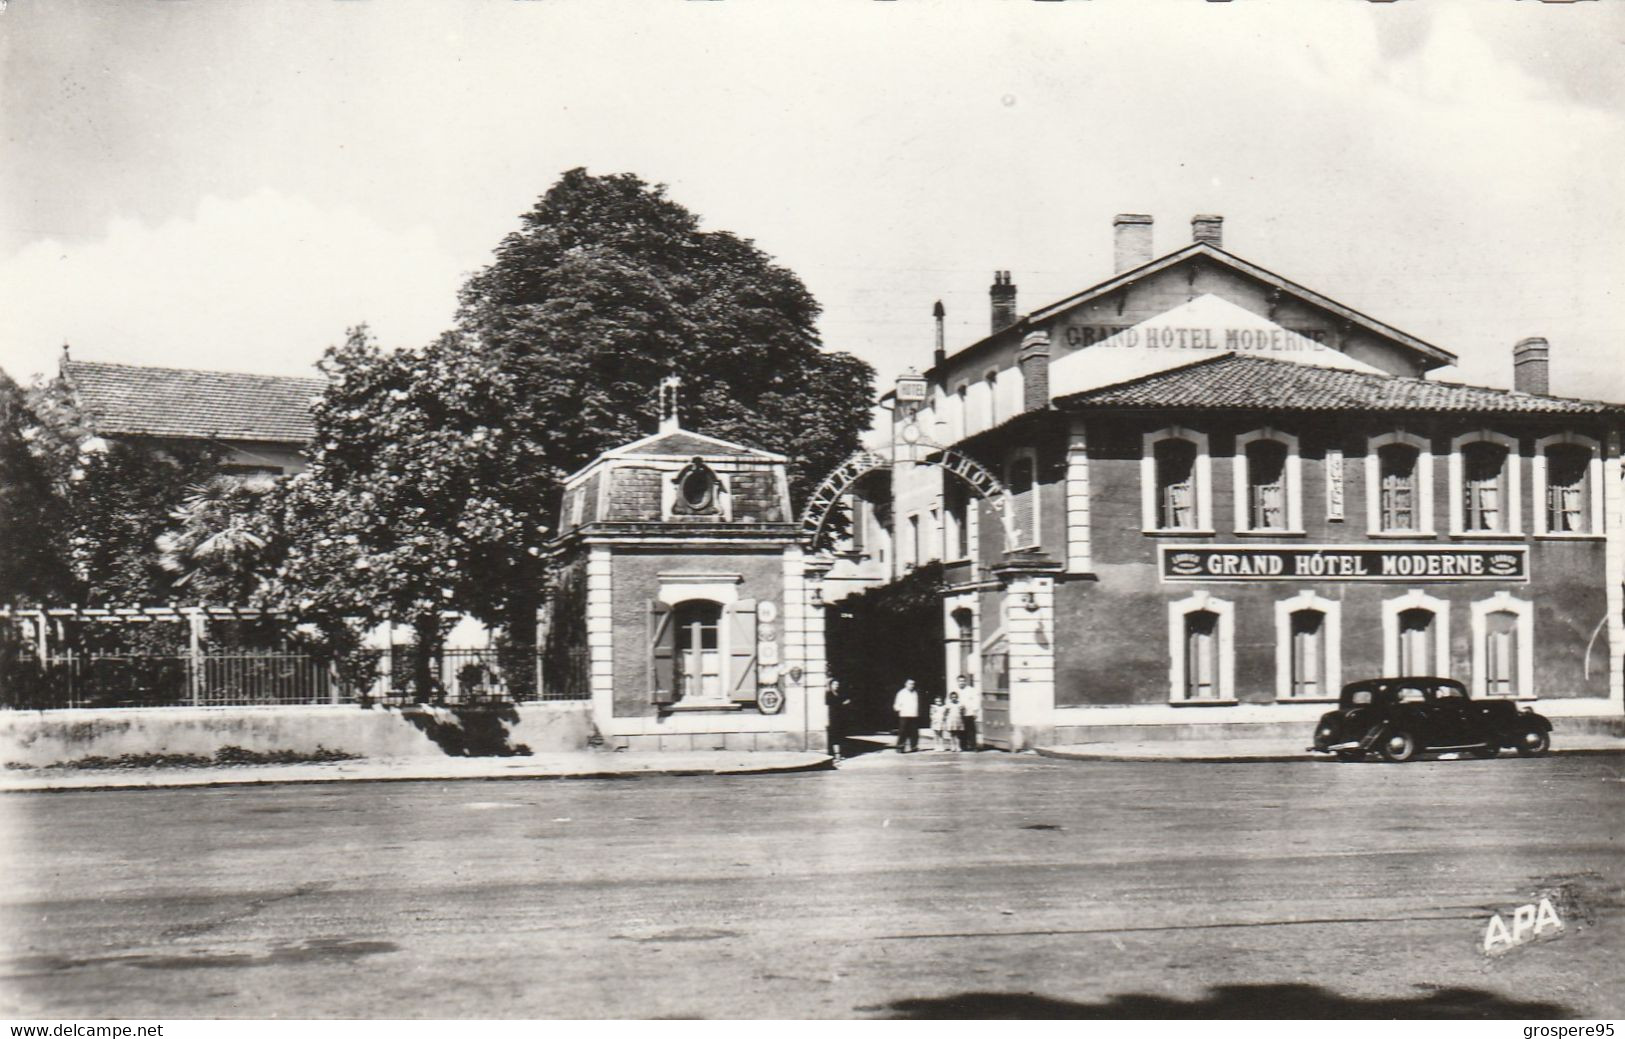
(1255, 759)
(820, 764)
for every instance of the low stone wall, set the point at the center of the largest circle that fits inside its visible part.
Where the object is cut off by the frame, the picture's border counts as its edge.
(49, 737)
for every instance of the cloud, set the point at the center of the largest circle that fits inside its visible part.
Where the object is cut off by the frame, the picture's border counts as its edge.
(261, 284)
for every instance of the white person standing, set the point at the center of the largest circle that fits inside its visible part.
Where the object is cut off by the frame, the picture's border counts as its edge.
(906, 705)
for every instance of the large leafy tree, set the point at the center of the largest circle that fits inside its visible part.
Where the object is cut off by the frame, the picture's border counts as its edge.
(436, 472)
(608, 285)
(33, 567)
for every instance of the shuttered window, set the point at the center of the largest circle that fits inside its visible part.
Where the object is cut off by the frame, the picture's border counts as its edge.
(1266, 485)
(1176, 484)
(1308, 634)
(1024, 499)
(1568, 489)
(1501, 654)
(1397, 467)
(1483, 487)
(1202, 655)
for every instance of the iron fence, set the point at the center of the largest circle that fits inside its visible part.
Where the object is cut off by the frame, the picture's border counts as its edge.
(247, 678)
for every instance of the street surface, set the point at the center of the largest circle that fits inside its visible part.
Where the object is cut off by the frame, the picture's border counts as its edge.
(920, 885)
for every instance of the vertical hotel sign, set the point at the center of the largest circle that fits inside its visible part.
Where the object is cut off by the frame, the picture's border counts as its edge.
(1506, 563)
(1334, 483)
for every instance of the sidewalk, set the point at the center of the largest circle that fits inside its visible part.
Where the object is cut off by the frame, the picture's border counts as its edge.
(584, 765)
(1272, 750)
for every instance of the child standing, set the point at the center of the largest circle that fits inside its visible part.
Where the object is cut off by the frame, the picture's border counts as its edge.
(953, 720)
(939, 735)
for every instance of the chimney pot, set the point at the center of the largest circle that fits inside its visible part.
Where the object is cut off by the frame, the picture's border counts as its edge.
(1531, 366)
(939, 356)
(1205, 227)
(1003, 295)
(1131, 240)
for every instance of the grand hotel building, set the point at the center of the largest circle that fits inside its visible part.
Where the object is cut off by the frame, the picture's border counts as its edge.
(1228, 494)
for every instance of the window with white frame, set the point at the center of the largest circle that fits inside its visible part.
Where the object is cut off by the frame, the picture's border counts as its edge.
(1568, 471)
(1268, 489)
(1175, 479)
(914, 557)
(1021, 479)
(991, 419)
(961, 412)
(956, 502)
(1399, 485)
(1503, 646)
(1416, 636)
(1484, 491)
(1201, 650)
(1308, 647)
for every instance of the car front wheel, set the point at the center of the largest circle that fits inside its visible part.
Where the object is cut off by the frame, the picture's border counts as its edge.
(1534, 742)
(1399, 745)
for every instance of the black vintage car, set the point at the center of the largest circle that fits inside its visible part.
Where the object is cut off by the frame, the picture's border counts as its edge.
(1400, 718)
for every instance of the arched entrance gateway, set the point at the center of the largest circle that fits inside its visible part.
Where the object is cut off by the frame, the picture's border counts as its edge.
(887, 619)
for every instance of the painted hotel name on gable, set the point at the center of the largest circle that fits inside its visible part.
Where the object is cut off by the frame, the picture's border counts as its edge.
(1255, 340)
(1180, 563)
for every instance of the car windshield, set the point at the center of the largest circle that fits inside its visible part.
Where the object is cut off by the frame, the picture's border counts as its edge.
(1360, 698)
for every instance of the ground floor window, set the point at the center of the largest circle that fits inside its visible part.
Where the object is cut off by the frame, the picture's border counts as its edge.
(699, 659)
(1503, 636)
(702, 651)
(1308, 637)
(1416, 636)
(1201, 640)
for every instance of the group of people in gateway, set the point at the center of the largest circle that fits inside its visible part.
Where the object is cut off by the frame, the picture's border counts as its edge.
(952, 720)
(952, 724)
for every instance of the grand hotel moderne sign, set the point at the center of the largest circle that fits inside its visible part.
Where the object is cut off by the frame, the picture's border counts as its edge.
(1343, 563)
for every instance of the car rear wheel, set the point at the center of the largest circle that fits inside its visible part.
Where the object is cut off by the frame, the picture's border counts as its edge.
(1399, 745)
(1534, 742)
(1489, 750)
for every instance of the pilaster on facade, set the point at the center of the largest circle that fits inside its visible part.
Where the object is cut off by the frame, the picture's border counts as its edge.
(600, 628)
(1079, 551)
(1029, 624)
(1614, 564)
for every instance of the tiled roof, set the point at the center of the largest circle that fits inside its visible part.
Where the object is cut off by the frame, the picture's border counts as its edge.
(686, 442)
(1265, 383)
(177, 402)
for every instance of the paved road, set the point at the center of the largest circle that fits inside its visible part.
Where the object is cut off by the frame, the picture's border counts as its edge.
(920, 885)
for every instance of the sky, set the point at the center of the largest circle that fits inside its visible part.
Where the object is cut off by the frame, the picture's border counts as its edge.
(232, 184)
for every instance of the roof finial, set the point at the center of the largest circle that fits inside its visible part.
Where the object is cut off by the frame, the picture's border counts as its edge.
(669, 387)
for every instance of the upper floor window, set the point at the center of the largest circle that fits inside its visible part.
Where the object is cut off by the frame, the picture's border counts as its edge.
(1174, 474)
(992, 417)
(1022, 483)
(1399, 485)
(1568, 471)
(1484, 484)
(961, 412)
(956, 534)
(1267, 482)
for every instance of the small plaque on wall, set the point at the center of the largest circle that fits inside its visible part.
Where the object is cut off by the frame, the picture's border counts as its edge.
(1334, 483)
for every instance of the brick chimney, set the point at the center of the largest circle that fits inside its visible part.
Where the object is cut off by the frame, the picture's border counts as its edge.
(1131, 240)
(1034, 363)
(1003, 294)
(939, 356)
(1208, 228)
(1531, 366)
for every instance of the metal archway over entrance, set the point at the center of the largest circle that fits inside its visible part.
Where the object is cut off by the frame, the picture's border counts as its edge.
(976, 475)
